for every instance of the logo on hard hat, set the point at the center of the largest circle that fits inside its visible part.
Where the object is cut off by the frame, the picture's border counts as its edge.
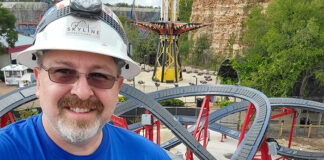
(82, 27)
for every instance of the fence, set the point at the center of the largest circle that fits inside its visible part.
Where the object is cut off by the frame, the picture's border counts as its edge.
(135, 114)
(283, 130)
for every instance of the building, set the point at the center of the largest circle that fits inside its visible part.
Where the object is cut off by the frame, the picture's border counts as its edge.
(10, 56)
(13, 73)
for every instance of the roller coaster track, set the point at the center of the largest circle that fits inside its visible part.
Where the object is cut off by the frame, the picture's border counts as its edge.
(281, 150)
(275, 103)
(242, 106)
(246, 150)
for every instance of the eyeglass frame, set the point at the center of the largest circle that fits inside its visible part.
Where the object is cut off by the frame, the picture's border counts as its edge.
(78, 76)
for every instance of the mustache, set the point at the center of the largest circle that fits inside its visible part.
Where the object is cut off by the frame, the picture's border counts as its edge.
(70, 100)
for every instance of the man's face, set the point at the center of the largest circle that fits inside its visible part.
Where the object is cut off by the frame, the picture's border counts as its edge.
(77, 111)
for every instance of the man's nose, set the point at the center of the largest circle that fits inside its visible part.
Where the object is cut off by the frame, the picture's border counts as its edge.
(81, 88)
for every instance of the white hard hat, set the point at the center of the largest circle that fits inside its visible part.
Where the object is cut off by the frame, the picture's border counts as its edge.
(82, 25)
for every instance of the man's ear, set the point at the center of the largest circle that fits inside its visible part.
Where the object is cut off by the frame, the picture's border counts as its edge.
(36, 75)
(120, 82)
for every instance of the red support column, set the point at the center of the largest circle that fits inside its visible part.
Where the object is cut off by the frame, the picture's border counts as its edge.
(118, 121)
(158, 136)
(11, 117)
(264, 149)
(204, 126)
(206, 122)
(138, 130)
(151, 133)
(4, 120)
(206, 100)
(249, 114)
(287, 112)
(145, 129)
(292, 128)
(189, 155)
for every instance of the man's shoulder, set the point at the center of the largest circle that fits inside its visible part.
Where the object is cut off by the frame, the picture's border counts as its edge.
(17, 136)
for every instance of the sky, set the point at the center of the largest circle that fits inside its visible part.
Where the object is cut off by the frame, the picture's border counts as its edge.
(154, 3)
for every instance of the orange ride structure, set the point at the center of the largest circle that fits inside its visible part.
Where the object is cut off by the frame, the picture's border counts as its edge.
(167, 68)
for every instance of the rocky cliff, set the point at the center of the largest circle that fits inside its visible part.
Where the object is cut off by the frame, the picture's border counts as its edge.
(225, 17)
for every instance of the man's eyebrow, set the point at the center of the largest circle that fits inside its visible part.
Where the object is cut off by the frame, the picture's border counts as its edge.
(102, 67)
(64, 63)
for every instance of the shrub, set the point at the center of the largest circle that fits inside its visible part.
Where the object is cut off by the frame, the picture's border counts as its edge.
(28, 113)
(224, 103)
(122, 98)
(172, 102)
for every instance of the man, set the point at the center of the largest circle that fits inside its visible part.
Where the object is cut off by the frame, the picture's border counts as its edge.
(80, 58)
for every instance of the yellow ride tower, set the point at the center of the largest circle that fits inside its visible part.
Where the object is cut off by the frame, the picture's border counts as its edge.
(167, 68)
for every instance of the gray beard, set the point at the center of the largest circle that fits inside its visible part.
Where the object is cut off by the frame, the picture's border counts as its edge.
(77, 131)
(71, 132)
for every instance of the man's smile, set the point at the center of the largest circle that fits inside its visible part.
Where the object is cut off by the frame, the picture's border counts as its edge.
(80, 110)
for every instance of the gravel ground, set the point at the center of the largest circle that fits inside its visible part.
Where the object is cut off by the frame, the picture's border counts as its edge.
(4, 89)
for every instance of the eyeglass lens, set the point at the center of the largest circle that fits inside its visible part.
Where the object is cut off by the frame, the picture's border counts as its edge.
(69, 76)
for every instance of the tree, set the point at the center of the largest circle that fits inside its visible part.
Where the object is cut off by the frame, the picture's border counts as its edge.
(108, 4)
(7, 27)
(185, 7)
(122, 5)
(185, 44)
(141, 47)
(146, 48)
(201, 50)
(283, 45)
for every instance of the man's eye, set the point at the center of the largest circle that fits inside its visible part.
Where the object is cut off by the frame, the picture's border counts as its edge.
(64, 71)
(98, 75)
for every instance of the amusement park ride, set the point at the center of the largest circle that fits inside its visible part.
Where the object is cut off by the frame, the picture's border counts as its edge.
(167, 66)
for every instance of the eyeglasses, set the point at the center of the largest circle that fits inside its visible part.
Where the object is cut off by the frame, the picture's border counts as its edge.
(69, 76)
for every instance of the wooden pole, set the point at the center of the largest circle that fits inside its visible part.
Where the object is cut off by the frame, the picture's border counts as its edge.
(319, 118)
(309, 130)
(281, 128)
(307, 117)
